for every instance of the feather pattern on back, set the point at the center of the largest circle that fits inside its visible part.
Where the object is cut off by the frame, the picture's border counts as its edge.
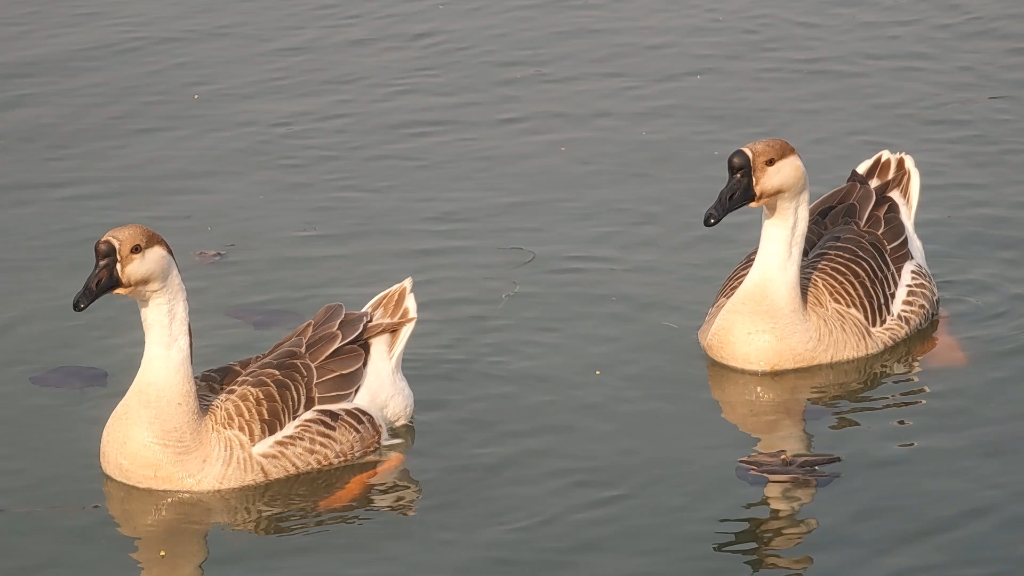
(292, 405)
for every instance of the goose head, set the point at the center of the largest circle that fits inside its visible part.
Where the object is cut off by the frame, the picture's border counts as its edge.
(759, 173)
(132, 261)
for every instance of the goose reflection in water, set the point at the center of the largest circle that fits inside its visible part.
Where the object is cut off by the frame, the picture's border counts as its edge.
(170, 528)
(775, 408)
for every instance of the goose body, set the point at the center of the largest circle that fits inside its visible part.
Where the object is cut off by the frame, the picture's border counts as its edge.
(324, 395)
(839, 279)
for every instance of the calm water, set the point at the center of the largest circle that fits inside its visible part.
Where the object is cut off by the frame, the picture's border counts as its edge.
(334, 150)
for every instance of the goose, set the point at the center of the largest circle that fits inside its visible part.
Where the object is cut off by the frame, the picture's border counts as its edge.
(839, 279)
(323, 396)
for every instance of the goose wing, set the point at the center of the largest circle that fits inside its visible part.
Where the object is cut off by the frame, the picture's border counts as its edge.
(861, 254)
(297, 396)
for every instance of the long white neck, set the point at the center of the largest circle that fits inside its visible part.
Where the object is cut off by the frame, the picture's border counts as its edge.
(775, 274)
(164, 384)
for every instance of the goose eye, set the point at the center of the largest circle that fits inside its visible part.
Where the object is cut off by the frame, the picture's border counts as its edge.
(769, 162)
(137, 249)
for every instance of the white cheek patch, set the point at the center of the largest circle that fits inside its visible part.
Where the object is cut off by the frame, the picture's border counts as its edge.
(784, 177)
(151, 267)
(753, 178)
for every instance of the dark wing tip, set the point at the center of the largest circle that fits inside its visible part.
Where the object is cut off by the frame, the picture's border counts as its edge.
(858, 178)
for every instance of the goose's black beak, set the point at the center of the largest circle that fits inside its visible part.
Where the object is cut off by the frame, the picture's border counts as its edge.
(738, 192)
(104, 278)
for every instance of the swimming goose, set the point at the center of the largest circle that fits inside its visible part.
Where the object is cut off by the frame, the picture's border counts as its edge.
(325, 395)
(842, 278)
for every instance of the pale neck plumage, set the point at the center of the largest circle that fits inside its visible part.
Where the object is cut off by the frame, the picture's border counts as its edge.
(164, 383)
(775, 274)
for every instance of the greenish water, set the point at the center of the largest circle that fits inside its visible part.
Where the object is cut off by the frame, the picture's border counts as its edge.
(334, 150)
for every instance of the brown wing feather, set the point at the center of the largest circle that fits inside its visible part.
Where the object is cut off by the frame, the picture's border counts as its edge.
(321, 362)
(858, 247)
(323, 436)
(390, 313)
(211, 383)
(268, 395)
(851, 267)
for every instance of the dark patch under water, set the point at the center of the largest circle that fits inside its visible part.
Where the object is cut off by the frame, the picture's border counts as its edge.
(71, 377)
(265, 318)
(209, 256)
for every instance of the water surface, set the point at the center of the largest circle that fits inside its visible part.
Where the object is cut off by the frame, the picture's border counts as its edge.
(573, 426)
